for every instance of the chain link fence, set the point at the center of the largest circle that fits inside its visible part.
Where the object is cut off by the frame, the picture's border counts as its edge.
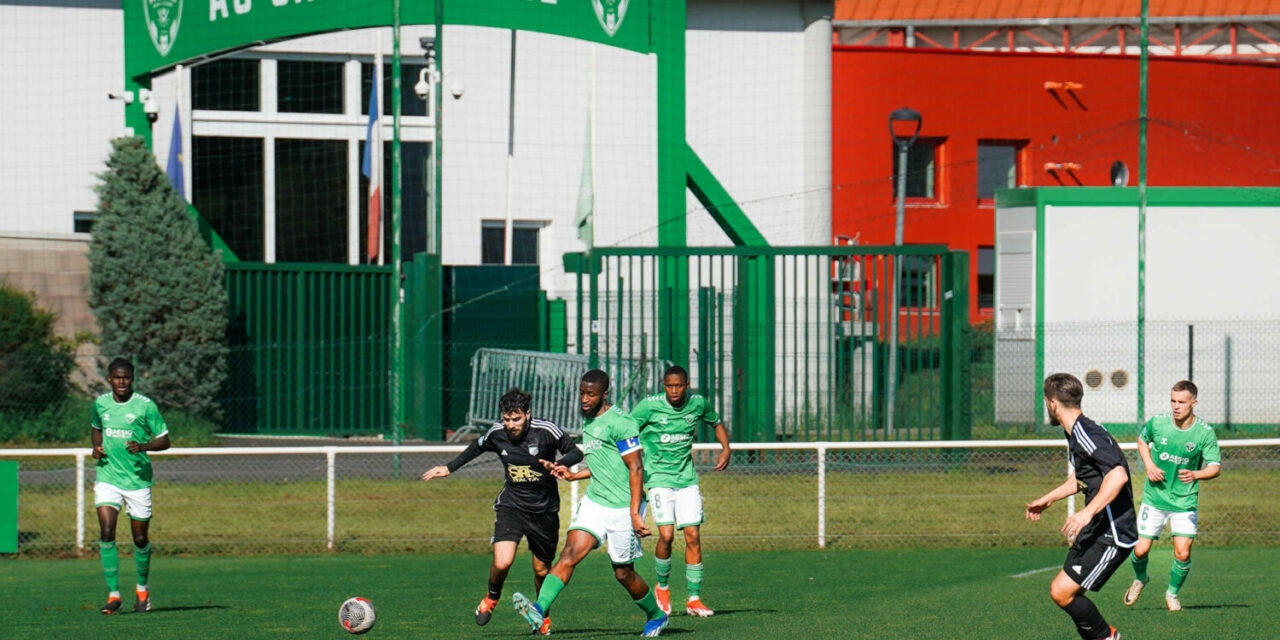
(273, 500)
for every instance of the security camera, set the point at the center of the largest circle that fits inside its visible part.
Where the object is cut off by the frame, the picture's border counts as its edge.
(422, 88)
(456, 87)
(150, 106)
(123, 96)
(428, 43)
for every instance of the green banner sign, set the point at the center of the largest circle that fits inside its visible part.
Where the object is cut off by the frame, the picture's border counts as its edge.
(162, 33)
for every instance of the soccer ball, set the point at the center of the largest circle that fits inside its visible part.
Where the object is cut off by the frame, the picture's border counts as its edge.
(356, 615)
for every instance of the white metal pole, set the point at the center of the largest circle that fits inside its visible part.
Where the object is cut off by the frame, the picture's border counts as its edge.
(511, 152)
(80, 503)
(329, 456)
(822, 497)
(1071, 502)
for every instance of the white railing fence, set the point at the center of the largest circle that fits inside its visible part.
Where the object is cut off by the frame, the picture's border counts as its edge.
(368, 499)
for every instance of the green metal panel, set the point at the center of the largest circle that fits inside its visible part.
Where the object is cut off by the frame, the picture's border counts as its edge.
(309, 348)
(485, 306)
(423, 329)
(8, 506)
(957, 407)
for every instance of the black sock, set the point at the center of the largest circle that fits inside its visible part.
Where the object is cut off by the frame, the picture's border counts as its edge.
(1088, 619)
(495, 591)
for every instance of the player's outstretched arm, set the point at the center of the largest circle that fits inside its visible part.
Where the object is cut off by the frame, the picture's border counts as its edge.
(1112, 483)
(635, 478)
(441, 471)
(1037, 506)
(1209, 472)
(1154, 472)
(722, 436)
(564, 472)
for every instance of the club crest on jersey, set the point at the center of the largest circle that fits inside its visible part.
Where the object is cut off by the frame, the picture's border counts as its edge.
(1191, 446)
(533, 449)
(129, 417)
(163, 18)
(690, 419)
(610, 13)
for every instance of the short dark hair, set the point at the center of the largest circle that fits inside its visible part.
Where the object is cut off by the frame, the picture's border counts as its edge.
(1065, 388)
(676, 370)
(515, 399)
(120, 363)
(596, 376)
(1187, 385)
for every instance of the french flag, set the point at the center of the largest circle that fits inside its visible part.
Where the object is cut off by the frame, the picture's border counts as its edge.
(371, 166)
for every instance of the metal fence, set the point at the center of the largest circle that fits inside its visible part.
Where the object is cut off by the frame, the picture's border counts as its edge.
(260, 500)
(1232, 362)
(792, 343)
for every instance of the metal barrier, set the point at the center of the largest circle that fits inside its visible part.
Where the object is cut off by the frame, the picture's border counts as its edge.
(254, 500)
(553, 379)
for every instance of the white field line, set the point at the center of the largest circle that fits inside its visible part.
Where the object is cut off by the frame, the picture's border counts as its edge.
(1033, 572)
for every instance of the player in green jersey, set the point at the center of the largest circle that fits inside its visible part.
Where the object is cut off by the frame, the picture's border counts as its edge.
(1178, 450)
(126, 425)
(668, 424)
(609, 514)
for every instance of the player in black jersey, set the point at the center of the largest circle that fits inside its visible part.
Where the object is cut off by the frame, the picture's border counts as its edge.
(529, 504)
(1105, 529)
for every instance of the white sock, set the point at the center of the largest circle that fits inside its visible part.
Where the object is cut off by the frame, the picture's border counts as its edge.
(142, 588)
(114, 595)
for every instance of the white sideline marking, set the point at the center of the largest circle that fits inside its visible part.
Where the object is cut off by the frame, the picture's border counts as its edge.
(1033, 572)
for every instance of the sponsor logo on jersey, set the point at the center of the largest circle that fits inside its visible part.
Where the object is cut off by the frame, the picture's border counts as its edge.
(502, 452)
(1164, 441)
(1165, 455)
(524, 473)
(669, 438)
(591, 446)
(119, 433)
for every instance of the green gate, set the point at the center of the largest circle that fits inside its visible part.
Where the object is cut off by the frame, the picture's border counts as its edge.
(793, 343)
(310, 349)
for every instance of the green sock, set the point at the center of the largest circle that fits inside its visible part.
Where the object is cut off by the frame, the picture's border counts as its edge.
(649, 605)
(1178, 575)
(693, 578)
(110, 565)
(663, 565)
(551, 588)
(1140, 567)
(142, 558)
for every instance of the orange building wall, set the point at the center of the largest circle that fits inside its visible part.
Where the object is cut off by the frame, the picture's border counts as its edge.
(1212, 123)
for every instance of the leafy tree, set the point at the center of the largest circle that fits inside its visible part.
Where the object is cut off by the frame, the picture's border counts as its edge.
(155, 286)
(34, 363)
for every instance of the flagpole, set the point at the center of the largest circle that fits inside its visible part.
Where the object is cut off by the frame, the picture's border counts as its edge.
(511, 146)
(397, 308)
(376, 157)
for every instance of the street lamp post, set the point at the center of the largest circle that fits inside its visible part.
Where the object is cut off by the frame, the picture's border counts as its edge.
(898, 120)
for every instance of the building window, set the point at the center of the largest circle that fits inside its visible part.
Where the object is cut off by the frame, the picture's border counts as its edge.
(305, 86)
(524, 242)
(230, 84)
(410, 103)
(918, 286)
(997, 167)
(227, 190)
(311, 214)
(986, 277)
(922, 169)
(492, 242)
(82, 221)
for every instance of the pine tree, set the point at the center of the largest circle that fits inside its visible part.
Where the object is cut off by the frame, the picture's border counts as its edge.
(156, 288)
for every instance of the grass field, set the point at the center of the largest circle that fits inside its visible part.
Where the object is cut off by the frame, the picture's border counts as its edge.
(944, 594)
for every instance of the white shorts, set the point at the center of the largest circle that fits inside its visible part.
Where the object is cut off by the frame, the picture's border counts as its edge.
(611, 527)
(1151, 522)
(681, 507)
(138, 501)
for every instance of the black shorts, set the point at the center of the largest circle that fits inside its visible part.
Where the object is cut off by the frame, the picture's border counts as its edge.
(542, 530)
(1090, 562)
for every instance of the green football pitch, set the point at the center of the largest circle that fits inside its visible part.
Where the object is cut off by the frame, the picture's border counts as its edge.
(951, 594)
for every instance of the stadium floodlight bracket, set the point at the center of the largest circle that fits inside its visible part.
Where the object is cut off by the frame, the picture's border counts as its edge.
(905, 115)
